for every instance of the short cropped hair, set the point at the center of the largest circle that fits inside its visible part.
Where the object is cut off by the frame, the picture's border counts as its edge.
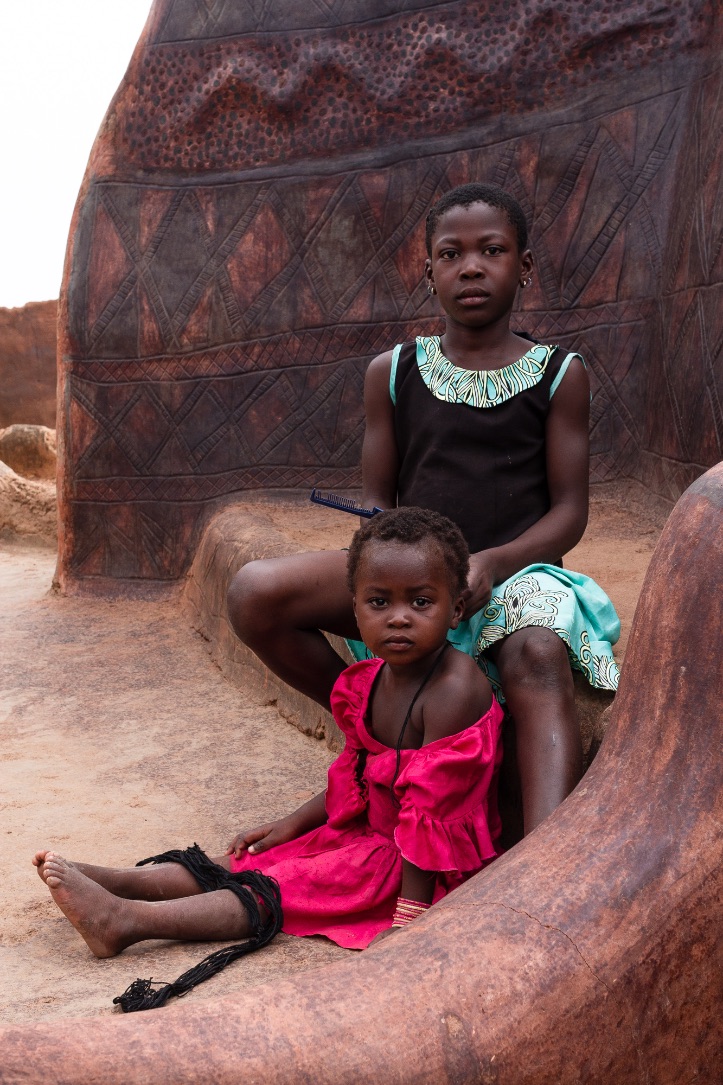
(410, 525)
(475, 192)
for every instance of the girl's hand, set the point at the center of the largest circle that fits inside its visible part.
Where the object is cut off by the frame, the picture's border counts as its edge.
(480, 581)
(254, 841)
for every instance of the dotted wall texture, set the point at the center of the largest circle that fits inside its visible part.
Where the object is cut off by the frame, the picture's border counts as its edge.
(250, 234)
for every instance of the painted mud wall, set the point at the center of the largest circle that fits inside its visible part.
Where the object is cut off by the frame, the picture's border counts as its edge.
(249, 235)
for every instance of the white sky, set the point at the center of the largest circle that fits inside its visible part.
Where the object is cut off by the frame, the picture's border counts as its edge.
(60, 63)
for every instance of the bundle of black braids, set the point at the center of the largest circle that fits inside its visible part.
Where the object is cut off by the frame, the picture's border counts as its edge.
(249, 886)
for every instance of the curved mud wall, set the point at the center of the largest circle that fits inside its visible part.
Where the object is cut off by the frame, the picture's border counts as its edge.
(249, 235)
(589, 953)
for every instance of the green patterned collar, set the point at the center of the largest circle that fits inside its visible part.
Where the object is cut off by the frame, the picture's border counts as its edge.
(478, 387)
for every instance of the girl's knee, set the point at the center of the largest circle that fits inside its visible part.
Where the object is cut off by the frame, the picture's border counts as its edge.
(253, 598)
(535, 657)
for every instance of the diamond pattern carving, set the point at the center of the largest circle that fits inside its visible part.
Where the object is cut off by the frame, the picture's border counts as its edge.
(219, 324)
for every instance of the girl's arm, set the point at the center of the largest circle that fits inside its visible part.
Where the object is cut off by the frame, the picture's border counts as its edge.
(568, 466)
(309, 816)
(463, 686)
(380, 459)
(417, 884)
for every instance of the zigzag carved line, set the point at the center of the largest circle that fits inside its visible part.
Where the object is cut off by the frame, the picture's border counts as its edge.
(302, 245)
(216, 260)
(415, 212)
(587, 267)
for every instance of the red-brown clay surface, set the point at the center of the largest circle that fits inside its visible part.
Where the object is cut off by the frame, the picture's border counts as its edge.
(120, 738)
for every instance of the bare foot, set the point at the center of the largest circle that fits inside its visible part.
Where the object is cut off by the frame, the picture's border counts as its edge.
(99, 917)
(109, 877)
(39, 862)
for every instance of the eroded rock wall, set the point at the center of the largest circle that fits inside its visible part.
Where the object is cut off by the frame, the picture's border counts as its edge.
(249, 235)
(28, 337)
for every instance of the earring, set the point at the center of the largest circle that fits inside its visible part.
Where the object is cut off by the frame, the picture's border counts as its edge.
(526, 282)
(431, 288)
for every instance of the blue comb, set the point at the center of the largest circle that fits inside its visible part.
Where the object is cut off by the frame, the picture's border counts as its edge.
(343, 504)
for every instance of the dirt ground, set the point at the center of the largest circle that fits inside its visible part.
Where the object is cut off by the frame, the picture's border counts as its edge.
(119, 739)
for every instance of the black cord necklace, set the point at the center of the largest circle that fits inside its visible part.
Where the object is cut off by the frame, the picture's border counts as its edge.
(408, 717)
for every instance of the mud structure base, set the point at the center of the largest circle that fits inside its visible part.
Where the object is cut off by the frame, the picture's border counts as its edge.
(589, 953)
(28, 508)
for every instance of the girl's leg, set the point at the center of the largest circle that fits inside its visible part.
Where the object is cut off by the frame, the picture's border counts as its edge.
(109, 924)
(164, 881)
(278, 606)
(537, 681)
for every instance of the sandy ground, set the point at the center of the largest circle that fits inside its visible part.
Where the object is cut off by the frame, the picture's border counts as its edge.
(119, 739)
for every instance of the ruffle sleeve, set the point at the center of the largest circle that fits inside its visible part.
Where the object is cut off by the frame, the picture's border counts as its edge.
(448, 819)
(346, 792)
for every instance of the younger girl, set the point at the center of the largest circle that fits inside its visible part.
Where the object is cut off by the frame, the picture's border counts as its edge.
(492, 431)
(410, 808)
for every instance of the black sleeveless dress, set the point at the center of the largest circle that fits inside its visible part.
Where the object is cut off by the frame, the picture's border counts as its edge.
(472, 444)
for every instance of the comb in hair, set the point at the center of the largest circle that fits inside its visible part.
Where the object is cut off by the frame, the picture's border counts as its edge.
(343, 504)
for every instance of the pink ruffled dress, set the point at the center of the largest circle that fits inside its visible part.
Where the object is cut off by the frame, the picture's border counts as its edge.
(343, 879)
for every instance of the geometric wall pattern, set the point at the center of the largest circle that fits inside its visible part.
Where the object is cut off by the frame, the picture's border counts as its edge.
(246, 241)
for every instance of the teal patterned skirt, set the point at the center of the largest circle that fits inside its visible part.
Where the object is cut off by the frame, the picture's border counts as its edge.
(569, 603)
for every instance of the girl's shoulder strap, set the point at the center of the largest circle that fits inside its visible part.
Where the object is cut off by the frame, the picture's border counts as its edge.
(409, 349)
(393, 373)
(564, 365)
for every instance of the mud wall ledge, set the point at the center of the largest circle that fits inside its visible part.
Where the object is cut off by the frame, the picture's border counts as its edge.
(236, 536)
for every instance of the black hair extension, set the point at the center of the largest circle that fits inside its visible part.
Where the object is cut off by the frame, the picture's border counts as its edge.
(249, 886)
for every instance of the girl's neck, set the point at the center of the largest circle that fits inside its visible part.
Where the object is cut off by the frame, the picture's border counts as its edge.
(403, 674)
(491, 347)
